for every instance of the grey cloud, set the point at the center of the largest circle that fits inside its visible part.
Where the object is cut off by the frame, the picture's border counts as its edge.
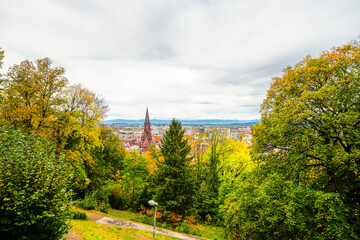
(238, 76)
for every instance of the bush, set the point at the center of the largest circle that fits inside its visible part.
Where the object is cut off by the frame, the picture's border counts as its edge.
(117, 201)
(94, 200)
(33, 182)
(78, 215)
(88, 203)
(104, 207)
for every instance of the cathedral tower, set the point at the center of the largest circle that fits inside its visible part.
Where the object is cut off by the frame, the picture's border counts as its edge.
(146, 137)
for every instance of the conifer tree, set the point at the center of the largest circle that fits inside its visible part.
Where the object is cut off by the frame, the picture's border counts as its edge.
(174, 181)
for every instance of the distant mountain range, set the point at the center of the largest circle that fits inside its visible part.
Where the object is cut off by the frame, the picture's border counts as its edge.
(186, 122)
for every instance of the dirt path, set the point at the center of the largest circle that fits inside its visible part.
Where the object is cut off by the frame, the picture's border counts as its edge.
(128, 224)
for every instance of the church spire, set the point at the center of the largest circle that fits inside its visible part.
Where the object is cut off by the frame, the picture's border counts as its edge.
(147, 120)
(146, 137)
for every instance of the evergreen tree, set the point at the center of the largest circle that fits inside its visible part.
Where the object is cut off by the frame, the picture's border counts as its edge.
(175, 188)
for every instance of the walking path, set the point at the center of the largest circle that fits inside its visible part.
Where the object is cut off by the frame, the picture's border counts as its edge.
(105, 220)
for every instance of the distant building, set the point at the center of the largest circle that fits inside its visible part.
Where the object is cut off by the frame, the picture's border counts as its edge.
(146, 137)
(247, 139)
(235, 135)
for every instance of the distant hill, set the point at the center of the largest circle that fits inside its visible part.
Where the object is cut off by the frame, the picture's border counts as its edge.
(186, 122)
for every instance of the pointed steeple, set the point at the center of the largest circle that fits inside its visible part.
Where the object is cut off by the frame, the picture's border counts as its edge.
(147, 120)
(146, 137)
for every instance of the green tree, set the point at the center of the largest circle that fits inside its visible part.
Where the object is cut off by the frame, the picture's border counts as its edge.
(109, 159)
(309, 128)
(227, 160)
(33, 184)
(272, 208)
(174, 177)
(309, 137)
(215, 159)
(134, 177)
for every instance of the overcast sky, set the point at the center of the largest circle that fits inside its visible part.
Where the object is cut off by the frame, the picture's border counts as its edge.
(189, 59)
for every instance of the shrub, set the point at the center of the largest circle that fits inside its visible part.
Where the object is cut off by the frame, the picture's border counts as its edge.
(88, 203)
(111, 194)
(94, 200)
(33, 182)
(117, 201)
(78, 215)
(104, 207)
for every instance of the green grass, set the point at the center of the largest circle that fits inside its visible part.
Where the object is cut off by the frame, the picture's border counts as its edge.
(207, 231)
(90, 230)
(126, 215)
(213, 232)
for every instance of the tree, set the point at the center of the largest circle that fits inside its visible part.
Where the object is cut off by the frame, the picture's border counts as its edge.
(235, 164)
(33, 185)
(272, 208)
(134, 177)
(31, 95)
(217, 151)
(308, 138)
(38, 99)
(109, 158)
(309, 128)
(232, 161)
(174, 181)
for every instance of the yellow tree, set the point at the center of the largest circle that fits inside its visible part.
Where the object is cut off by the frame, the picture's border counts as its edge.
(78, 131)
(31, 95)
(38, 99)
(237, 161)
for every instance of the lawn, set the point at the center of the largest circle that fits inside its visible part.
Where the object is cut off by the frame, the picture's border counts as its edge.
(90, 230)
(207, 231)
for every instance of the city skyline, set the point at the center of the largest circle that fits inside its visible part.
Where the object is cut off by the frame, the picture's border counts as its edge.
(184, 59)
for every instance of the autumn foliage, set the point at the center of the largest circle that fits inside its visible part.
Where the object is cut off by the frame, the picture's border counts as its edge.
(307, 148)
(37, 102)
(37, 98)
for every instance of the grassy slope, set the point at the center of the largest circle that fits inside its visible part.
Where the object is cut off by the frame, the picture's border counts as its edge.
(90, 230)
(210, 232)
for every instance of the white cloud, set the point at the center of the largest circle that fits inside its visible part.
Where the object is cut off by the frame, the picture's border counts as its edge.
(183, 59)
